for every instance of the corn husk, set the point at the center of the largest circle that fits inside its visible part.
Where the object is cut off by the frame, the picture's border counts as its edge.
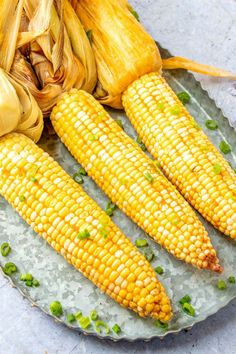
(123, 49)
(119, 51)
(61, 57)
(18, 109)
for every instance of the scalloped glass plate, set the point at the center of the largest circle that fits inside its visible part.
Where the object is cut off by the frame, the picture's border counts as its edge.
(60, 281)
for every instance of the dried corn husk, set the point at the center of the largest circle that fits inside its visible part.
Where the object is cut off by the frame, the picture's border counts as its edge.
(123, 49)
(18, 109)
(62, 57)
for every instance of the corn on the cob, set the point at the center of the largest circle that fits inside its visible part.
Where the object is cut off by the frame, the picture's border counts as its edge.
(60, 211)
(131, 180)
(185, 154)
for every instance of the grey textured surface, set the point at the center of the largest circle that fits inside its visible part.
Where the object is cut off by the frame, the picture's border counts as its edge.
(204, 30)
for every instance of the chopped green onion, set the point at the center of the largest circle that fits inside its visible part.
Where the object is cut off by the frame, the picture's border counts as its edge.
(231, 279)
(149, 177)
(110, 208)
(161, 324)
(56, 308)
(141, 144)
(99, 324)
(29, 283)
(221, 285)
(70, 317)
(9, 268)
(78, 178)
(90, 34)
(224, 147)
(211, 124)
(187, 308)
(5, 249)
(82, 171)
(185, 299)
(78, 315)
(103, 232)
(84, 322)
(217, 169)
(183, 97)
(94, 315)
(22, 198)
(25, 277)
(159, 270)
(83, 235)
(116, 328)
(119, 122)
(33, 179)
(141, 242)
(149, 256)
(36, 283)
(175, 110)
(160, 106)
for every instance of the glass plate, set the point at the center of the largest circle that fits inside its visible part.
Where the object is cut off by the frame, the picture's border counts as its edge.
(60, 281)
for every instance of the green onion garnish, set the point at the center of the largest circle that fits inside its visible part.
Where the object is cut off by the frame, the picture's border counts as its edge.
(185, 299)
(99, 324)
(217, 169)
(83, 235)
(116, 329)
(9, 268)
(25, 277)
(29, 283)
(78, 178)
(161, 324)
(22, 198)
(224, 147)
(56, 308)
(78, 315)
(175, 110)
(90, 34)
(221, 285)
(183, 97)
(159, 270)
(70, 317)
(119, 122)
(211, 124)
(149, 256)
(33, 179)
(5, 249)
(110, 208)
(149, 177)
(141, 144)
(84, 322)
(231, 279)
(82, 171)
(35, 283)
(94, 315)
(103, 232)
(187, 308)
(141, 242)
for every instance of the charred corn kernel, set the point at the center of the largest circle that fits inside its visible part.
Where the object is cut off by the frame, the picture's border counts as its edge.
(149, 199)
(203, 176)
(60, 191)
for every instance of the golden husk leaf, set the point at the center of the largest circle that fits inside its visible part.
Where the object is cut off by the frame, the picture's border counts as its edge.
(124, 51)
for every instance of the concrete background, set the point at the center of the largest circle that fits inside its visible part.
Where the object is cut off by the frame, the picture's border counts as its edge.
(204, 30)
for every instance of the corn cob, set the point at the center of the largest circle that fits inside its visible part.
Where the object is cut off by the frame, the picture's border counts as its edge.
(184, 152)
(131, 180)
(72, 223)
